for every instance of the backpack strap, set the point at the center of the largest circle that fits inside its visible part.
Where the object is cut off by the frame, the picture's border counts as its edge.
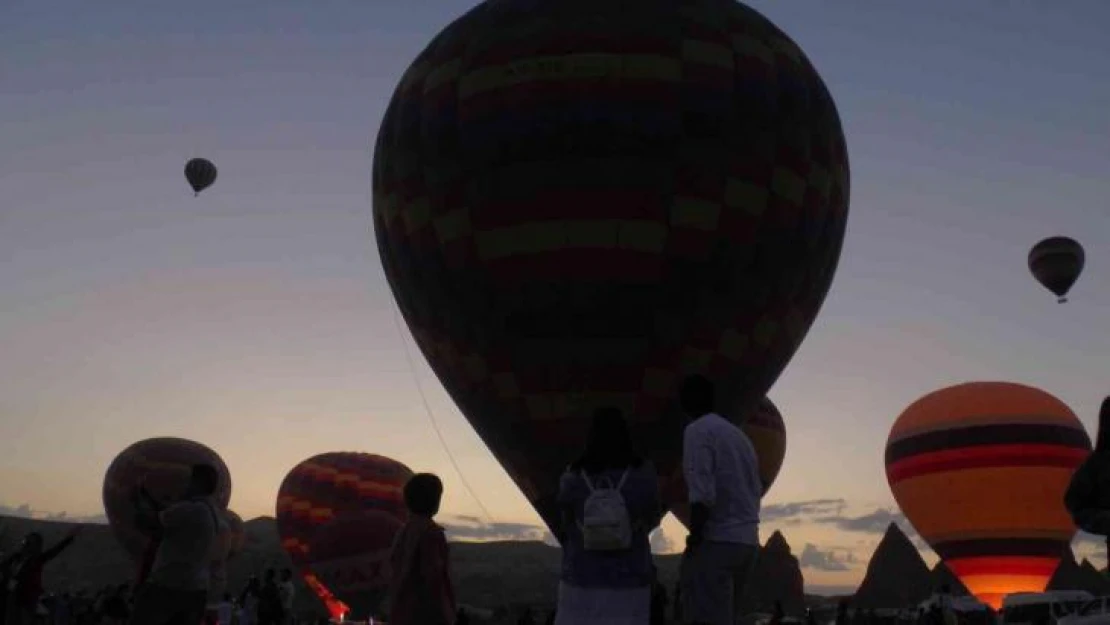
(624, 476)
(586, 479)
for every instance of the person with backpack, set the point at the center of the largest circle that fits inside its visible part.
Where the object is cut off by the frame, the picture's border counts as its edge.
(722, 481)
(610, 502)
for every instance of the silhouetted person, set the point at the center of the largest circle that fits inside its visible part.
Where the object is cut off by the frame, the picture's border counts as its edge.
(177, 589)
(811, 618)
(842, 616)
(722, 480)
(462, 618)
(658, 604)
(609, 503)
(288, 594)
(1088, 494)
(248, 602)
(420, 589)
(25, 577)
(269, 601)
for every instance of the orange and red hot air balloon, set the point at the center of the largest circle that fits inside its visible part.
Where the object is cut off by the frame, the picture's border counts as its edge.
(767, 432)
(980, 470)
(315, 503)
(163, 466)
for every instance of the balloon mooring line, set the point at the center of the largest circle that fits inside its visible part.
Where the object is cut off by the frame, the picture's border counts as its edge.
(432, 419)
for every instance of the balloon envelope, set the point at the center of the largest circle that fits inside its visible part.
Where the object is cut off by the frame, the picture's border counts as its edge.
(980, 470)
(332, 485)
(164, 466)
(577, 204)
(350, 556)
(767, 431)
(1056, 263)
(200, 173)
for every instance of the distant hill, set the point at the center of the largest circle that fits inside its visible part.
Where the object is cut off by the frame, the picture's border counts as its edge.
(487, 574)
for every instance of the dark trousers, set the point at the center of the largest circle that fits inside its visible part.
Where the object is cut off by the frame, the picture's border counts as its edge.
(158, 605)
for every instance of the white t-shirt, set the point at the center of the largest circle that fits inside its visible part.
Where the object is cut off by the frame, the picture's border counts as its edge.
(722, 472)
(189, 531)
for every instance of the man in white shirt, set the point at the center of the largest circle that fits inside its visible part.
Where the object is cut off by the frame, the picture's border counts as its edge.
(721, 471)
(177, 589)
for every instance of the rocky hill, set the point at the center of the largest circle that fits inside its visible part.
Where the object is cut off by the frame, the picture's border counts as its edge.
(896, 576)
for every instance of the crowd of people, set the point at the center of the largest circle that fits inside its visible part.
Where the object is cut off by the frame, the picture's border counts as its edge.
(610, 502)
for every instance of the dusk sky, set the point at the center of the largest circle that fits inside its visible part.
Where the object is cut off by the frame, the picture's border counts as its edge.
(256, 318)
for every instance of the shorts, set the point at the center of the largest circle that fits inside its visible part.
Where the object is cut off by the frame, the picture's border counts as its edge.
(713, 578)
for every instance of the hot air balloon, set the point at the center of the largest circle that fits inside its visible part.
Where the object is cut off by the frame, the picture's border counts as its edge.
(350, 557)
(163, 466)
(1056, 263)
(767, 432)
(200, 173)
(980, 470)
(576, 205)
(236, 533)
(329, 486)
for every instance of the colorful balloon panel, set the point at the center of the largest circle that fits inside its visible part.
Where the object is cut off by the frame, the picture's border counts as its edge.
(577, 204)
(163, 465)
(329, 486)
(767, 431)
(980, 470)
(350, 556)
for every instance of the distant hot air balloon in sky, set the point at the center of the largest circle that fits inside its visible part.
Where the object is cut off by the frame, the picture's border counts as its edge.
(163, 465)
(332, 486)
(1056, 263)
(577, 204)
(980, 470)
(767, 432)
(200, 173)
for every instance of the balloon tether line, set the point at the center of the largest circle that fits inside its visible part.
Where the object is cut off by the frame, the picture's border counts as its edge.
(432, 419)
(439, 434)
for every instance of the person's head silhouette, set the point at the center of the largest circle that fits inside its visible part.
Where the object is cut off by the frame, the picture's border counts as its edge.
(608, 444)
(697, 396)
(422, 494)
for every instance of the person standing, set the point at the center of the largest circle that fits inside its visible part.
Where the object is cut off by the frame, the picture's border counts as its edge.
(177, 589)
(270, 610)
(420, 588)
(288, 594)
(610, 503)
(721, 471)
(25, 585)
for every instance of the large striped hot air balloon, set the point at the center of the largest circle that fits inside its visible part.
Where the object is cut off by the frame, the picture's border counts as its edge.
(333, 486)
(767, 432)
(163, 466)
(578, 202)
(980, 470)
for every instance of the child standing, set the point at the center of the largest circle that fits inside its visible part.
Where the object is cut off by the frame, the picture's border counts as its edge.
(420, 590)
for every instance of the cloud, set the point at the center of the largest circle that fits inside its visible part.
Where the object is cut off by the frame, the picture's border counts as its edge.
(819, 560)
(873, 523)
(24, 511)
(794, 512)
(473, 528)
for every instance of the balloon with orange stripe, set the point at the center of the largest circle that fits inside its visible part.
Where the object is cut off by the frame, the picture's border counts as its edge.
(330, 486)
(980, 470)
(767, 431)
